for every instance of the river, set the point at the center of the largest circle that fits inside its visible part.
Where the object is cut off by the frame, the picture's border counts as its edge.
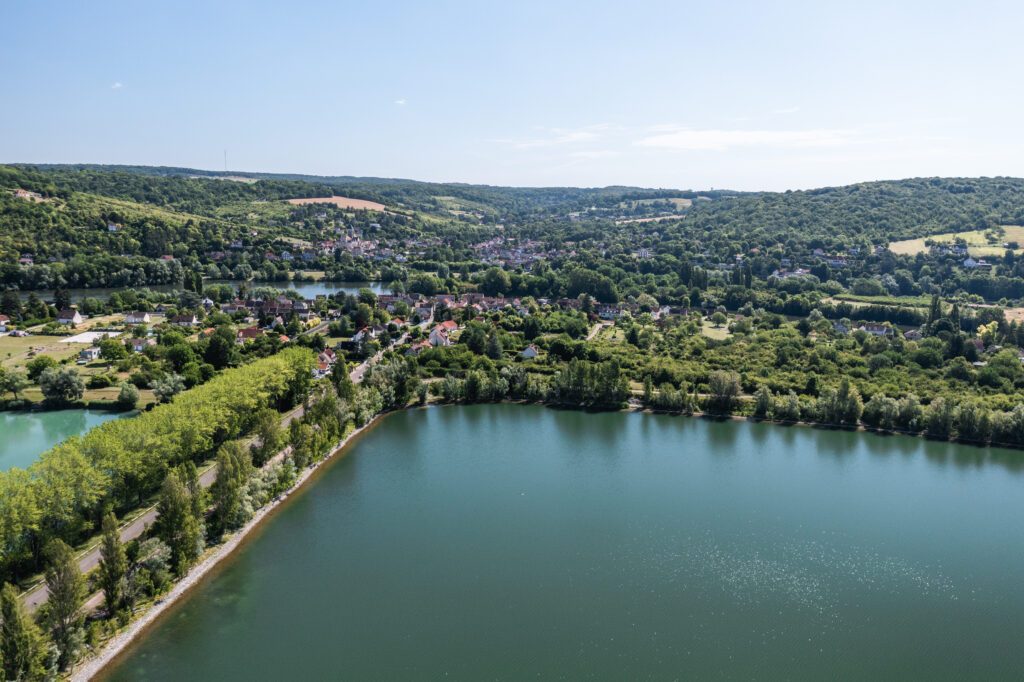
(26, 435)
(307, 289)
(511, 542)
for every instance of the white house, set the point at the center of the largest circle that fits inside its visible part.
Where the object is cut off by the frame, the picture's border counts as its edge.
(89, 354)
(137, 317)
(530, 352)
(139, 345)
(69, 316)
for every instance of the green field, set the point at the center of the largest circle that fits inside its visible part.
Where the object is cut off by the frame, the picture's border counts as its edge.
(978, 242)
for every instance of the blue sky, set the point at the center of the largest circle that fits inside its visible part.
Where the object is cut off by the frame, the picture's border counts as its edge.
(670, 94)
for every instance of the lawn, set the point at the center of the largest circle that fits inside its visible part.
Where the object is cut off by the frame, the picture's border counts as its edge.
(709, 330)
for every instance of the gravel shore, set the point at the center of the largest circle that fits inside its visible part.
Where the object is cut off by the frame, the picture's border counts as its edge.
(117, 644)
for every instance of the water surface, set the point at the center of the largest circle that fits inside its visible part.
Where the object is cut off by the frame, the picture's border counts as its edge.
(26, 435)
(510, 542)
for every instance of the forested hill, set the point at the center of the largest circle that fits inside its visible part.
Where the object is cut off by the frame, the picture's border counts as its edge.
(879, 211)
(163, 185)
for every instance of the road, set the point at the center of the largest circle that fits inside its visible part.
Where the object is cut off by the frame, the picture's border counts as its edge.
(90, 559)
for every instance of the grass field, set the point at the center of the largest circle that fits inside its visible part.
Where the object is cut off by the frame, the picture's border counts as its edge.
(678, 202)
(896, 301)
(977, 243)
(709, 330)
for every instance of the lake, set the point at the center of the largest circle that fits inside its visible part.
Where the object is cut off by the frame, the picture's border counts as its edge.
(26, 435)
(511, 542)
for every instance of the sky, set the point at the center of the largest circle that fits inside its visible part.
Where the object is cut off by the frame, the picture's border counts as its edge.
(748, 96)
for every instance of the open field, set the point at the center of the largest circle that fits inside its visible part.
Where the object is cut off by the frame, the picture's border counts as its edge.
(709, 330)
(977, 243)
(340, 202)
(859, 301)
(652, 219)
(678, 202)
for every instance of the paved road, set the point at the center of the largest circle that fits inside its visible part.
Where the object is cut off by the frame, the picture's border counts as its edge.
(90, 559)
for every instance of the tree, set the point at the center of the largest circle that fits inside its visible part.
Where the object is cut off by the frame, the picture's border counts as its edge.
(267, 430)
(112, 350)
(61, 299)
(12, 381)
(22, 645)
(39, 364)
(222, 350)
(10, 305)
(718, 319)
(128, 396)
(763, 402)
(234, 467)
(113, 564)
(495, 281)
(168, 386)
(61, 385)
(724, 391)
(177, 525)
(494, 348)
(66, 588)
(342, 381)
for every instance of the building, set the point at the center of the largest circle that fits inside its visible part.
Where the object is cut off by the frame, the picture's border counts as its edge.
(137, 317)
(139, 345)
(188, 320)
(89, 354)
(530, 352)
(247, 334)
(69, 316)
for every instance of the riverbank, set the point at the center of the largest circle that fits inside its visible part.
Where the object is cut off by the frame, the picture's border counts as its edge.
(119, 643)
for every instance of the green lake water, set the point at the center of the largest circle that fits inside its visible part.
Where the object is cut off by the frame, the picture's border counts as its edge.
(509, 542)
(26, 435)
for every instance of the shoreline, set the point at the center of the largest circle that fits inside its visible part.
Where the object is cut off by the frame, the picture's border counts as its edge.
(122, 641)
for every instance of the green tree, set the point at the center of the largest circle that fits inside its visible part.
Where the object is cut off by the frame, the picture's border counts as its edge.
(113, 564)
(65, 586)
(112, 350)
(177, 524)
(128, 396)
(22, 644)
(39, 364)
(61, 385)
(723, 391)
(168, 386)
(234, 467)
(12, 381)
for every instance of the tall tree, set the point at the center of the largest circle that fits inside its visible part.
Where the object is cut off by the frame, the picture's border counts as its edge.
(66, 588)
(177, 525)
(22, 644)
(113, 564)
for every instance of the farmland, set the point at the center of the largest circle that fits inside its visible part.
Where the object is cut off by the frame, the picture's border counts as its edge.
(340, 202)
(980, 243)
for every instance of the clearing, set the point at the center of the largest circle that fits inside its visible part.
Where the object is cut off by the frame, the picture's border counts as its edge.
(340, 202)
(979, 242)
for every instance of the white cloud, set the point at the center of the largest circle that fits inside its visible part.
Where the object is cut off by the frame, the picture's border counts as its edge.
(116, 86)
(400, 102)
(686, 139)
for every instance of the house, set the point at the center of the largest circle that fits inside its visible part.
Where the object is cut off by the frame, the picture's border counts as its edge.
(609, 312)
(876, 329)
(4, 321)
(840, 328)
(89, 354)
(188, 320)
(913, 335)
(140, 345)
(69, 316)
(137, 317)
(439, 336)
(530, 352)
(26, 259)
(247, 334)
(418, 348)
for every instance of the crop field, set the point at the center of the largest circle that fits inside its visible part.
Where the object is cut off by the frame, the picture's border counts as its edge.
(340, 202)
